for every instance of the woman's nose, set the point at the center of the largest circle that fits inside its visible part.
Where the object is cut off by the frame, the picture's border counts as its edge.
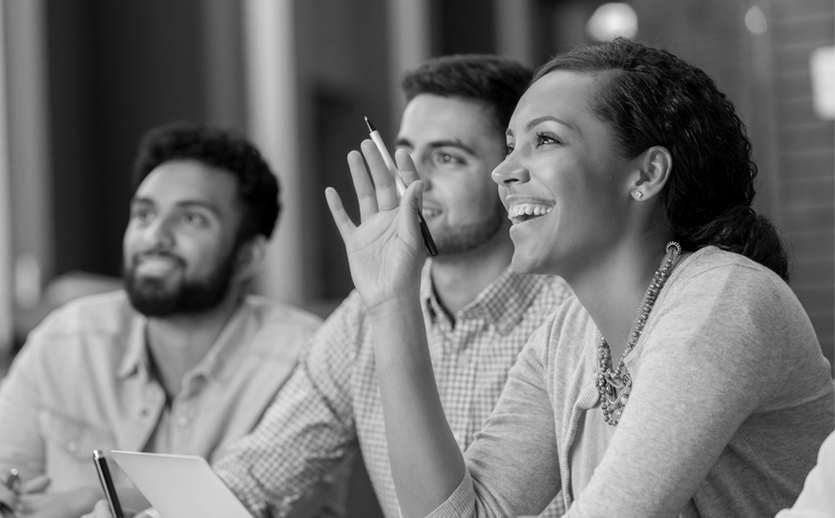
(510, 171)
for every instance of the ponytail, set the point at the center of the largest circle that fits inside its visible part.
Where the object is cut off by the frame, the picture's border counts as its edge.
(741, 230)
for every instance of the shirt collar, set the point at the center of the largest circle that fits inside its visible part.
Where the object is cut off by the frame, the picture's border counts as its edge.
(503, 302)
(219, 362)
(135, 358)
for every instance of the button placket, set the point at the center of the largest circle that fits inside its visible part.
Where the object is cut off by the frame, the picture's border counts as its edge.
(182, 421)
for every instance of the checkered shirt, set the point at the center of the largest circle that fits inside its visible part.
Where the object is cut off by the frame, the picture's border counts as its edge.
(331, 405)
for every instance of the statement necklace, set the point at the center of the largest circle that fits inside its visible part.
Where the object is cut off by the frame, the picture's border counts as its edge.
(614, 386)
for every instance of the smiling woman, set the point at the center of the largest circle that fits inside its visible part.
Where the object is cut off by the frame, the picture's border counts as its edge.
(682, 379)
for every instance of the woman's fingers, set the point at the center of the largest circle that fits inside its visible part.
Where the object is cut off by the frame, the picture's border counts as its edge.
(366, 196)
(376, 191)
(409, 172)
(387, 197)
(343, 222)
(409, 208)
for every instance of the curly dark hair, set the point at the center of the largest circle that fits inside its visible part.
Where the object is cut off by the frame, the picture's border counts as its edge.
(650, 97)
(496, 81)
(257, 185)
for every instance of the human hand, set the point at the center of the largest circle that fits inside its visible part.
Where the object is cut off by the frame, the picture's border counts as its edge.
(386, 251)
(61, 504)
(8, 493)
(10, 499)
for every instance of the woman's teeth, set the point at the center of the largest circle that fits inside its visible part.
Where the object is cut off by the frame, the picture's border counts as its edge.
(526, 211)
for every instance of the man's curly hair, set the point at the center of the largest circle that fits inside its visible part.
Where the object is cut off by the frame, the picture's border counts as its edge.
(257, 185)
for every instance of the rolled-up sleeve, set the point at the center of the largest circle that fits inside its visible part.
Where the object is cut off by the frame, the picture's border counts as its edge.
(308, 430)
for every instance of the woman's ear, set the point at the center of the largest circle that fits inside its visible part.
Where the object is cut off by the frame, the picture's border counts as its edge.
(250, 258)
(654, 166)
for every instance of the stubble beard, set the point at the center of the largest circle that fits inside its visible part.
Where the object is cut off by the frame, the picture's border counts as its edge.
(465, 238)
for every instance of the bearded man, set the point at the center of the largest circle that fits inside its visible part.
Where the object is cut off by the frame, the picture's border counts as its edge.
(183, 360)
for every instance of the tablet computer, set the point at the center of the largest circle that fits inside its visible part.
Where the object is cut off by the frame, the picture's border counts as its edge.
(180, 486)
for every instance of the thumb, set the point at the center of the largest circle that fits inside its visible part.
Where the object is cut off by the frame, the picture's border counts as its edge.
(409, 214)
(412, 198)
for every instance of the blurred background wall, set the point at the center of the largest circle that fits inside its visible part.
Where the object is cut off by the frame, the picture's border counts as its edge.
(82, 80)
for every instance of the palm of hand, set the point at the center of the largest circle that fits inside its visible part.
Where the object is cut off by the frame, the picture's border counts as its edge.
(386, 251)
(385, 254)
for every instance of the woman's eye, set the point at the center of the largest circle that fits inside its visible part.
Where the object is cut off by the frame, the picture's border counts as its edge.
(508, 149)
(143, 216)
(543, 138)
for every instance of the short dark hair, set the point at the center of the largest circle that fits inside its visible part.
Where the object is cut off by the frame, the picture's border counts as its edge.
(496, 81)
(223, 148)
(650, 97)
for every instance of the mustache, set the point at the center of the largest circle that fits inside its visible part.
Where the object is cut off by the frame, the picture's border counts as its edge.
(140, 256)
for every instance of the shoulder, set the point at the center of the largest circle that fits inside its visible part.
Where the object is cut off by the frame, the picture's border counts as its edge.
(719, 302)
(281, 317)
(95, 328)
(715, 269)
(107, 313)
(711, 279)
(344, 327)
(343, 333)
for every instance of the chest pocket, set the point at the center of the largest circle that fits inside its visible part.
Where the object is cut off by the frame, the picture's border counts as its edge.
(69, 445)
(73, 436)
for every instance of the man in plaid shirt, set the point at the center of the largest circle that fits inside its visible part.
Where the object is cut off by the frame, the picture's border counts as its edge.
(478, 313)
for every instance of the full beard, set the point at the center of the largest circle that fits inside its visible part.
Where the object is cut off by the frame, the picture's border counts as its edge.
(154, 298)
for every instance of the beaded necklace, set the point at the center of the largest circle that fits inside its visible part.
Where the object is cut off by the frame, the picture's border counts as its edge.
(614, 386)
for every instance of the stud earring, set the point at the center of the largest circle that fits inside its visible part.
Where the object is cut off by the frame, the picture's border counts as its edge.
(638, 195)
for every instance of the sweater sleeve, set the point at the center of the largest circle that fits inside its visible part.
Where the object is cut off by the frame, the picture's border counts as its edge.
(710, 354)
(817, 499)
(511, 466)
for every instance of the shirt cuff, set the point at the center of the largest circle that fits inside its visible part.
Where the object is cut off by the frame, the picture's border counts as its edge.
(460, 503)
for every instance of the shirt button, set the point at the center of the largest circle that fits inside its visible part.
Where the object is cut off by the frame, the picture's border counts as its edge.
(72, 446)
(182, 421)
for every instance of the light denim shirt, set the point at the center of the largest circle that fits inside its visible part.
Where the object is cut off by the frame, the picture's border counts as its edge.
(82, 382)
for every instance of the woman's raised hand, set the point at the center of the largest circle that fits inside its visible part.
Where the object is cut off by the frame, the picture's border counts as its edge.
(386, 250)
